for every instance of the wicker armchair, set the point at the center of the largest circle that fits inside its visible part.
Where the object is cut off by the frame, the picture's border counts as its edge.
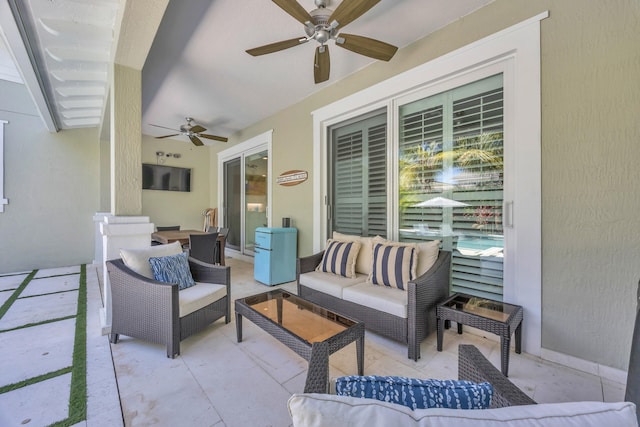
(149, 310)
(473, 366)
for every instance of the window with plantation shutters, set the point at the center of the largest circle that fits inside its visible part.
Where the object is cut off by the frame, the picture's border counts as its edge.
(358, 153)
(451, 161)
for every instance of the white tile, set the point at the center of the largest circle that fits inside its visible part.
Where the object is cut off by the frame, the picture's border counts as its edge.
(51, 284)
(25, 311)
(12, 281)
(4, 296)
(613, 391)
(39, 404)
(48, 272)
(37, 350)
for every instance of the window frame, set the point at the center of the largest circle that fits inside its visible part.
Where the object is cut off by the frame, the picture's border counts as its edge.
(514, 52)
(3, 201)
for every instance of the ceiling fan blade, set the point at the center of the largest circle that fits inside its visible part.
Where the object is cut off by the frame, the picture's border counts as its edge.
(349, 11)
(275, 47)
(366, 46)
(163, 127)
(293, 8)
(195, 140)
(167, 136)
(197, 129)
(214, 137)
(321, 64)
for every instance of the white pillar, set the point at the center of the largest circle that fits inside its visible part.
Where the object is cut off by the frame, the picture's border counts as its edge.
(98, 218)
(118, 232)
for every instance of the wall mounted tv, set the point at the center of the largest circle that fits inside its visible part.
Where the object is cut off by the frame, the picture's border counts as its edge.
(167, 178)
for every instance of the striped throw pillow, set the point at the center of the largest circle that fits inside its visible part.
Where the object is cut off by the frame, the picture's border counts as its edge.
(393, 265)
(340, 258)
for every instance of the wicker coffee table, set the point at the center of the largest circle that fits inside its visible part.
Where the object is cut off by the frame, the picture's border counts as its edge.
(306, 328)
(488, 315)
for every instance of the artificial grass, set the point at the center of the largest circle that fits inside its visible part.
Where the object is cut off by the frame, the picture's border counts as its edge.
(78, 395)
(78, 369)
(9, 302)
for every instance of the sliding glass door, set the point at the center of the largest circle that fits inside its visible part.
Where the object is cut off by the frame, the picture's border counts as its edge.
(245, 194)
(255, 171)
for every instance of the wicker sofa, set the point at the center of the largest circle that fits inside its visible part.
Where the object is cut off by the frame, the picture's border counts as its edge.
(158, 312)
(509, 406)
(422, 295)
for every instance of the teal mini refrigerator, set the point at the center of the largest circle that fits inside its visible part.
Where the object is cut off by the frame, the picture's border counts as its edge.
(275, 255)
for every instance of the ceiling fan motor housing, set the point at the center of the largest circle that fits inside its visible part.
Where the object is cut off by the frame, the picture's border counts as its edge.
(320, 30)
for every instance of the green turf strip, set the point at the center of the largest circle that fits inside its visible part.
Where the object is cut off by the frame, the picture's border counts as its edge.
(35, 380)
(7, 304)
(78, 397)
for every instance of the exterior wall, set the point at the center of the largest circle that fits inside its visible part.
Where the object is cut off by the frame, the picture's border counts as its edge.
(51, 181)
(172, 207)
(590, 152)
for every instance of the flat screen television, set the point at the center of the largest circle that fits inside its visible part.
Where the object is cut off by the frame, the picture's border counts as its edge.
(167, 178)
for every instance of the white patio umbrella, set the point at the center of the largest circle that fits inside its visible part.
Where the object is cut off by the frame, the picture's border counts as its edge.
(441, 202)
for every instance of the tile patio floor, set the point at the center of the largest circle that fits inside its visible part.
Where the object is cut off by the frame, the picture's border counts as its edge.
(215, 381)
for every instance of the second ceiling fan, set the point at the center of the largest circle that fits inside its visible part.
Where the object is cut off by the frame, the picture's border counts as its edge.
(193, 132)
(322, 25)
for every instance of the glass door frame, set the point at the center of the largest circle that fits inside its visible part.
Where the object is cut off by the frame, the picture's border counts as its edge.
(251, 146)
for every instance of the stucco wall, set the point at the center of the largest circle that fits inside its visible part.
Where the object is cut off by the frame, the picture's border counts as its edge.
(173, 207)
(51, 181)
(590, 152)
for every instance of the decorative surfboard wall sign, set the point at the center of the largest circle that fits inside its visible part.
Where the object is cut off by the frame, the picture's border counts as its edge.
(293, 177)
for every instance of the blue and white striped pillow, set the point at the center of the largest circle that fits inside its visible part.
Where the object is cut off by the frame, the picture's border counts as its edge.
(416, 393)
(393, 265)
(340, 258)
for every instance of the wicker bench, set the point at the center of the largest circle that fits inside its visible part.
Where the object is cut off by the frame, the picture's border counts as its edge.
(424, 293)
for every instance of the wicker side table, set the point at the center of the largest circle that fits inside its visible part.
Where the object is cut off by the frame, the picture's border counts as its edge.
(306, 328)
(497, 317)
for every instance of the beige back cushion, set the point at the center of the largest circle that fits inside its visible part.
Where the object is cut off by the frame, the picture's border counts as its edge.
(138, 259)
(365, 255)
(427, 256)
(427, 252)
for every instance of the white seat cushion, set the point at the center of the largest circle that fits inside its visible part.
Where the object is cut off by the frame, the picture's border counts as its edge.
(138, 259)
(381, 298)
(200, 295)
(319, 410)
(329, 283)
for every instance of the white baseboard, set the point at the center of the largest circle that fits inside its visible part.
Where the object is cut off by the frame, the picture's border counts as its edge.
(612, 374)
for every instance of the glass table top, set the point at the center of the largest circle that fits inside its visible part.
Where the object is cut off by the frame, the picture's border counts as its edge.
(308, 321)
(491, 309)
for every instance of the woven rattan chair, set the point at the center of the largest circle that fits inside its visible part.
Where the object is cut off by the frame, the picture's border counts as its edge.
(473, 366)
(204, 247)
(425, 292)
(150, 310)
(632, 393)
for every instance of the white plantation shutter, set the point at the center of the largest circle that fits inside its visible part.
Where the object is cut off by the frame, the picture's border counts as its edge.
(478, 125)
(359, 177)
(451, 145)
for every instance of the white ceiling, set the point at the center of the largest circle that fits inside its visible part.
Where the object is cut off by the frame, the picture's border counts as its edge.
(198, 66)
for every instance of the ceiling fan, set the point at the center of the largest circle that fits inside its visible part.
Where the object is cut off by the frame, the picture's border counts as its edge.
(192, 131)
(322, 25)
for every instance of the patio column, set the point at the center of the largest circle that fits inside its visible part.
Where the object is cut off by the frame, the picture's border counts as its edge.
(124, 226)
